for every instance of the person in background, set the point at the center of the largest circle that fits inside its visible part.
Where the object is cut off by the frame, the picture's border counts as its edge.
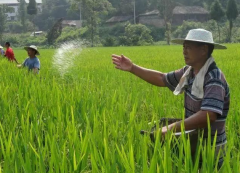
(9, 53)
(32, 62)
(2, 52)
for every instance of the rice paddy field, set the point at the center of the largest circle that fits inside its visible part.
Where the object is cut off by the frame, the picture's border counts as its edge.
(87, 117)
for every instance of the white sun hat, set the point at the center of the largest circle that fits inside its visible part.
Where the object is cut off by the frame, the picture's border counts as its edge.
(32, 47)
(1, 47)
(199, 35)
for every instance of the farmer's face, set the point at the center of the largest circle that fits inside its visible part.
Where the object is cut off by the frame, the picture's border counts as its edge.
(31, 52)
(193, 53)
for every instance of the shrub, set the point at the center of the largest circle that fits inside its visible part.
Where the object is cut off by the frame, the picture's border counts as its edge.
(157, 34)
(137, 35)
(182, 30)
(16, 27)
(70, 33)
(13, 39)
(109, 41)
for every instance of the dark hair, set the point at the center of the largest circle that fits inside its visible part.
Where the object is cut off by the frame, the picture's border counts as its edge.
(210, 47)
(7, 43)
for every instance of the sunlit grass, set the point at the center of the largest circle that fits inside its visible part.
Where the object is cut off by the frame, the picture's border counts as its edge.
(89, 120)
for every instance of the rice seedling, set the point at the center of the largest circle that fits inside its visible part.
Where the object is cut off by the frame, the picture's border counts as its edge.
(88, 118)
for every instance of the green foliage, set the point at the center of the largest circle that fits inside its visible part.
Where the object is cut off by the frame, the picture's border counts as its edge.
(13, 39)
(115, 35)
(182, 30)
(16, 27)
(136, 35)
(55, 32)
(89, 119)
(70, 33)
(235, 33)
(52, 10)
(123, 7)
(18, 40)
(92, 11)
(165, 8)
(114, 30)
(232, 10)
(217, 12)
(110, 41)
(2, 21)
(32, 8)
(22, 15)
(38, 40)
(232, 13)
(157, 34)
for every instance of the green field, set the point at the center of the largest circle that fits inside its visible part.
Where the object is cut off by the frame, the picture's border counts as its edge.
(89, 119)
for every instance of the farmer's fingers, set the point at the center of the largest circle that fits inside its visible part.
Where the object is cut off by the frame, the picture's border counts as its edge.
(124, 57)
(116, 56)
(116, 60)
(118, 67)
(116, 63)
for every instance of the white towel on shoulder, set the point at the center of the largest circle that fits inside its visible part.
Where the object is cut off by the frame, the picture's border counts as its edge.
(197, 87)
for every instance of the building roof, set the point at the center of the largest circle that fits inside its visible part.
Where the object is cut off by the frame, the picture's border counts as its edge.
(17, 1)
(119, 19)
(70, 22)
(189, 10)
(154, 12)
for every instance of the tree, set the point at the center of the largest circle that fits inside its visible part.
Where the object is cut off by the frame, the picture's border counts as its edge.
(92, 11)
(232, 13)
(123, 7)
(32, 7)
(217, 13)
(22, 13)
(137, 35)
(32, 10)
(2, 21)
(165, 8)
(55, 32)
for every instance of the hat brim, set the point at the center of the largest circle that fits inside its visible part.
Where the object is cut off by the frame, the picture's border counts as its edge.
(26, 48)
(181, 41)
(1, 47)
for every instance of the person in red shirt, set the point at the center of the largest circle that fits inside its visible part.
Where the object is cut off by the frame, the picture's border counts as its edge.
(9, 53)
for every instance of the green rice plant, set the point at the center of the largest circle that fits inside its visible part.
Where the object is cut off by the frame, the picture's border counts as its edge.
(88, 120)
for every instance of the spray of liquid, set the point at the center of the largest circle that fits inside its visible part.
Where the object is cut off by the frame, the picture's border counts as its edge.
(65, 56)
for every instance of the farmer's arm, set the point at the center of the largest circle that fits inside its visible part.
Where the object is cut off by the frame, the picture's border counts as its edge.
(19, 65)
(22, 65)
(36, 67)
(150, 76)
(212, 106)
(197, 121)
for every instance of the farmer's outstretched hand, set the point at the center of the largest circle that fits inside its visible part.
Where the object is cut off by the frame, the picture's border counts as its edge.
(122, 62)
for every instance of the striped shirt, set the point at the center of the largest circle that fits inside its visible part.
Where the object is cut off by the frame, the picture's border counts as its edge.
(216, 99)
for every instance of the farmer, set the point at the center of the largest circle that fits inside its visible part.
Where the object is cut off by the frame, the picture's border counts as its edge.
(2, 52)
(9, 53)
(32, 62)
(203, 83)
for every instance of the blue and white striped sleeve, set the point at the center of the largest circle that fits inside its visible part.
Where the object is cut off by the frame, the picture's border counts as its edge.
(214, 93)
(172, 79)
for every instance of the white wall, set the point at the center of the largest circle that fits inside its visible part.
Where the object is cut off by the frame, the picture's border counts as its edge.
(13, 16)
